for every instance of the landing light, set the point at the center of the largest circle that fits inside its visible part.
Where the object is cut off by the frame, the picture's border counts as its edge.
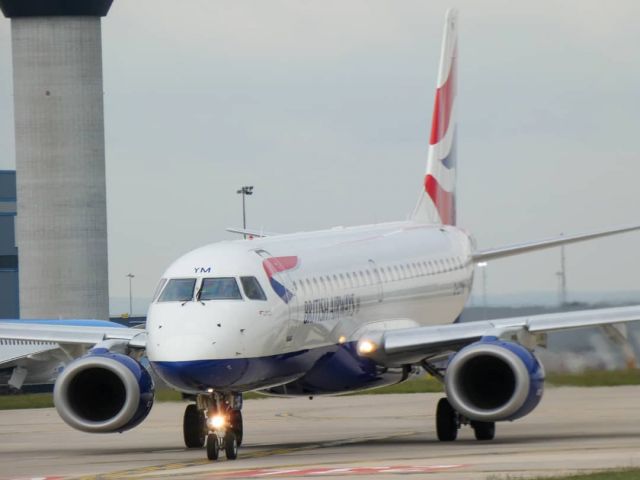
(216, 422)
(366, 346)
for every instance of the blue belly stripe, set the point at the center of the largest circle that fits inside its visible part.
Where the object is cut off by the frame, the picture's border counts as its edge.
(329, 369)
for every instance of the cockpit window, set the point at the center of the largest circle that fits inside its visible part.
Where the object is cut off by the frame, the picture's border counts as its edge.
(252, 288)
(178, 290)
(219, 289)
(161, 284)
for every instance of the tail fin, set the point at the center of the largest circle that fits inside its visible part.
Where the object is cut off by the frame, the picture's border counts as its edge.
(437, 203)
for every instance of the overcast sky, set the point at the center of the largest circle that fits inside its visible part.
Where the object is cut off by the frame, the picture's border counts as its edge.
(325, 106)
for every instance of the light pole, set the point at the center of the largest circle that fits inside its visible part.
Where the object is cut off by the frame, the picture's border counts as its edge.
(246, 190)
(483, 267)
(130, 276)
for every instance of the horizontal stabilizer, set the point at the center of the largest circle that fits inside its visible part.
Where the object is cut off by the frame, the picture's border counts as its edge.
(517, 249)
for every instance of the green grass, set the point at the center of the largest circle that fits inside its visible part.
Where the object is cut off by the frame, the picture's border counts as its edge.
(596, 378)
(45, 400)
(422, 384)
(624, 474)
(30, 400)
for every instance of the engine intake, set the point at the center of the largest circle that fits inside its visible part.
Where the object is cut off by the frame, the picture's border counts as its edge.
(103, 392)
(493, 380)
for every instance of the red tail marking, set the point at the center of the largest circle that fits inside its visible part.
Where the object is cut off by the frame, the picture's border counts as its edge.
(443, 103)
(442, 199)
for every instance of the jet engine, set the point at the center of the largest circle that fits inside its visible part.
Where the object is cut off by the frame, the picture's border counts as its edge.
(493, 380)
(103, 392)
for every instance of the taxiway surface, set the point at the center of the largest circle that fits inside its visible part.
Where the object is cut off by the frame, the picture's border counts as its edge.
(380, 436)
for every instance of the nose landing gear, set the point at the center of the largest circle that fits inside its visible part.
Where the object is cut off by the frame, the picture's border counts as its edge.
(194, 427)
(217, 419)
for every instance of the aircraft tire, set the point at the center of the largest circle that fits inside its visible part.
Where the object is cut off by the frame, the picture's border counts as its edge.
(484, 430)
(193, 427)
(231, 445)
(446, 421)
(236, 425)
(213, 448)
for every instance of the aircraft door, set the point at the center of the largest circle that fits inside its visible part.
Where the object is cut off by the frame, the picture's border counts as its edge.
(378, 279)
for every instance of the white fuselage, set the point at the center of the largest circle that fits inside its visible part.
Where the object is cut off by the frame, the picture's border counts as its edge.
(323, 291)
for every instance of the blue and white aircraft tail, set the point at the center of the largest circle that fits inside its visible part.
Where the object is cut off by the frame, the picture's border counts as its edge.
(324, 312)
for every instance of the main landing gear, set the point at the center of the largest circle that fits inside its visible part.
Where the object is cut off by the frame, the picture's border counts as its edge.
(448, 422)
(215, 420)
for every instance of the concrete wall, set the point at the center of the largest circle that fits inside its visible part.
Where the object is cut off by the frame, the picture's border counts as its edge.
(61, 223)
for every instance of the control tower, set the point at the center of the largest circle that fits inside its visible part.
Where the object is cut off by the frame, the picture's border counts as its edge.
(61, 229)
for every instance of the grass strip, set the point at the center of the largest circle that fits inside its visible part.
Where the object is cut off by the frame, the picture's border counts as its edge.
(596, 378)
(421, 384)
(619, 474)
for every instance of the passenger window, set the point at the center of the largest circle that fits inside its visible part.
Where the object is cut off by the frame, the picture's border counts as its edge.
(383, 275)
(253, 290)
(161, 284)
(225, 288)
(178, 290)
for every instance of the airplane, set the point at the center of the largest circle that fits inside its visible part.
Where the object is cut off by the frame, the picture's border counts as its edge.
(321, 313)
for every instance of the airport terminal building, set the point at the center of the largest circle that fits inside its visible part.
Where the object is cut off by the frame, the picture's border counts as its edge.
(9, 302)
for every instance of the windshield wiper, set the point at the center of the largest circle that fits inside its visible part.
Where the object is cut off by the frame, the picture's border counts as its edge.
(198, 294)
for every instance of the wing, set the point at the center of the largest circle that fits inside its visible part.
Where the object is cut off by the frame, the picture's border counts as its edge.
(493, 253)
(413, 345)
(251, 232)
(72, 332)
(34, 351)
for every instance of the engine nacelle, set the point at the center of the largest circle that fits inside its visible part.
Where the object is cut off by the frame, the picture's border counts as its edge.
(103, 392)
(493, 380)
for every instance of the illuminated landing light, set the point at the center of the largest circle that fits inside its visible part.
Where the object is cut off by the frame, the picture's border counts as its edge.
(209, 390)
(366, 347)
(216, 422)
(342, 339)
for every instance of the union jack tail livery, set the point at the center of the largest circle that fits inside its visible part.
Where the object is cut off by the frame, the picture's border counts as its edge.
(437, 203)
